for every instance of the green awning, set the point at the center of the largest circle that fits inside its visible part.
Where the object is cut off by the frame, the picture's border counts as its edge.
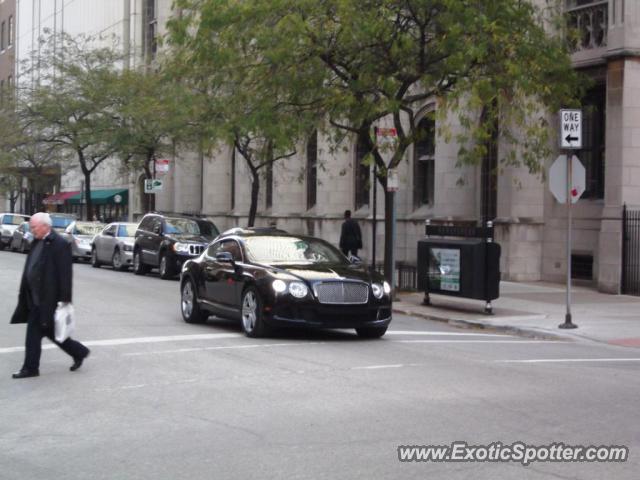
(111, 196)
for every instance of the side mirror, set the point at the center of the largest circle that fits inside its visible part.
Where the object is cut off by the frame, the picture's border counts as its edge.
(224, 257)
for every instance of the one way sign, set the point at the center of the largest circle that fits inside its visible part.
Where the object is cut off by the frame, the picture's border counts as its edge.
(571, 129)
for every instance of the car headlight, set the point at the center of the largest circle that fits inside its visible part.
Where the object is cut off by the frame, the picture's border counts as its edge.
(298, 289)
(377, 290)
(181, 247)
(127, 248)
(386, 287)
(279, 286)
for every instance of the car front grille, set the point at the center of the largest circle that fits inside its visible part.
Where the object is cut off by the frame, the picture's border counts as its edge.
(342, 292)
(196, 249)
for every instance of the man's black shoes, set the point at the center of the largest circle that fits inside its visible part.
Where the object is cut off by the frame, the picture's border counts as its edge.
(77, 362)
(24, 373)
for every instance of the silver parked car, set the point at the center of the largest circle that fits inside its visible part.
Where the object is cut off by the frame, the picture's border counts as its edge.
(80, 235)
(9, 222)
(22, 238)
(114, 246)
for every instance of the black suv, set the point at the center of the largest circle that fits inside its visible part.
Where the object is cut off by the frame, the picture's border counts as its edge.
(166, 241)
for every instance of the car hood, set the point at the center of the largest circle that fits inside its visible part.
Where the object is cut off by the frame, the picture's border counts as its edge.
(327, 272)
(187, 238)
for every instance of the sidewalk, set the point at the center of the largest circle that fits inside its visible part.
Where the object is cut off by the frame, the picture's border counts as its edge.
(536, 310)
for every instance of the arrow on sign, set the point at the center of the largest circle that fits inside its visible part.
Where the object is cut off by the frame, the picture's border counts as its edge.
(570, 139)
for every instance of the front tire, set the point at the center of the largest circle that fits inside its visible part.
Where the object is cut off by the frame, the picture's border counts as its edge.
(95, 263)
(252, 317)
(166, 268)
(116, 261)
(191, 311)
(371, 332)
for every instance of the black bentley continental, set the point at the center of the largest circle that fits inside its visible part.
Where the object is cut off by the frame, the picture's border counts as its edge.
(270, 279)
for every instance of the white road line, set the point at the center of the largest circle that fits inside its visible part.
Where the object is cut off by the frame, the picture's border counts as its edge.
(570, 360)
(548, 342)
(445, 334)
(227, 347)
(380, 367)
(138, 340)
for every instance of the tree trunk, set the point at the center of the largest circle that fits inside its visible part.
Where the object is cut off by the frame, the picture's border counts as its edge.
(255, 188)
(87, 194)
(389, 241)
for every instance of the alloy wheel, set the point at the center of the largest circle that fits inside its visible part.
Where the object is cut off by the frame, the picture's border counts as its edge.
(187, 300)
(116, 261)
(249, 311)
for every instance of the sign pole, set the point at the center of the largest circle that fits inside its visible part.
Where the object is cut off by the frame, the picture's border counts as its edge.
(567, 318)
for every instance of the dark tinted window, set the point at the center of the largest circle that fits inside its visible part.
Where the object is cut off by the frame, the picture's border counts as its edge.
(147, 223)
(208, 228)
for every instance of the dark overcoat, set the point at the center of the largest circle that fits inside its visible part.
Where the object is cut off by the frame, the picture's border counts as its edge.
(53, 281)
(350, 236)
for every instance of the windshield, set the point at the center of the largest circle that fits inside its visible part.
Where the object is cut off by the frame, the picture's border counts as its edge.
(61, 222)
(127, 230)
(292, 250)
(12, 220)
(87, 228)
(180, 226)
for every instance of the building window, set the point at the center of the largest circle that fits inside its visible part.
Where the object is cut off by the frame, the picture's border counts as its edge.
(10, 31)
(424, 162)
(151, 23)
(593, 142)
(2, 35)
(269, 186)
(312, 169)
(362, 175)
(233, 179)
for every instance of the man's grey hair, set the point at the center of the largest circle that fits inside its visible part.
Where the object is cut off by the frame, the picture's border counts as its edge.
(42, 217)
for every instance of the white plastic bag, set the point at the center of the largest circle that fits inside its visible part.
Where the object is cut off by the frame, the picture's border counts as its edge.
(65, 321)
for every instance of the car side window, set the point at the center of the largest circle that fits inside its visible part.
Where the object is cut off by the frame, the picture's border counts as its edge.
(111, 231)
(233, 248)
(156, 225)
(146, 224)
(213, 249)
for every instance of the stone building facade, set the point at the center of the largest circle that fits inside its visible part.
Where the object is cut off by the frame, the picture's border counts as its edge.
(531, 225)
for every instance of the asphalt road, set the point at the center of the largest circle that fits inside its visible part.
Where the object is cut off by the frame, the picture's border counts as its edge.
(161, 399)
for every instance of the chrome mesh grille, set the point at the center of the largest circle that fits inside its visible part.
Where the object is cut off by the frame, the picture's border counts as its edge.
(196, 249)
(342, 292)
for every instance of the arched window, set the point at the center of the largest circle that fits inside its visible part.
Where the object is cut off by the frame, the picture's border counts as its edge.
(362, 175)
(312, 169)
(424, 161)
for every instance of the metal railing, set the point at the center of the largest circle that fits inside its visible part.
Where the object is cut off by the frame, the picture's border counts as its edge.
(406, 275)
(630, 251)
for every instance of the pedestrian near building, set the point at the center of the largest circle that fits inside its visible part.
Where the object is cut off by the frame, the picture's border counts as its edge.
(46, 280)
(350, 236)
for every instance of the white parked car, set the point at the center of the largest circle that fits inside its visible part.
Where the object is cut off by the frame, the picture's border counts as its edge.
(80, 235)
(9, 222)
(114, 246)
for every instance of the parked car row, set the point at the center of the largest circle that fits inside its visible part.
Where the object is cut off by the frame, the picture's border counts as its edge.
(263, 277)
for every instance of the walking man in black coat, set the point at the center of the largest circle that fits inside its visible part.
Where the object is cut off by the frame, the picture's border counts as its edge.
(350, 236)
(46, 280)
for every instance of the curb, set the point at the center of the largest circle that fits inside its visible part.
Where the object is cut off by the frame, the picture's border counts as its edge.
(478, 324)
